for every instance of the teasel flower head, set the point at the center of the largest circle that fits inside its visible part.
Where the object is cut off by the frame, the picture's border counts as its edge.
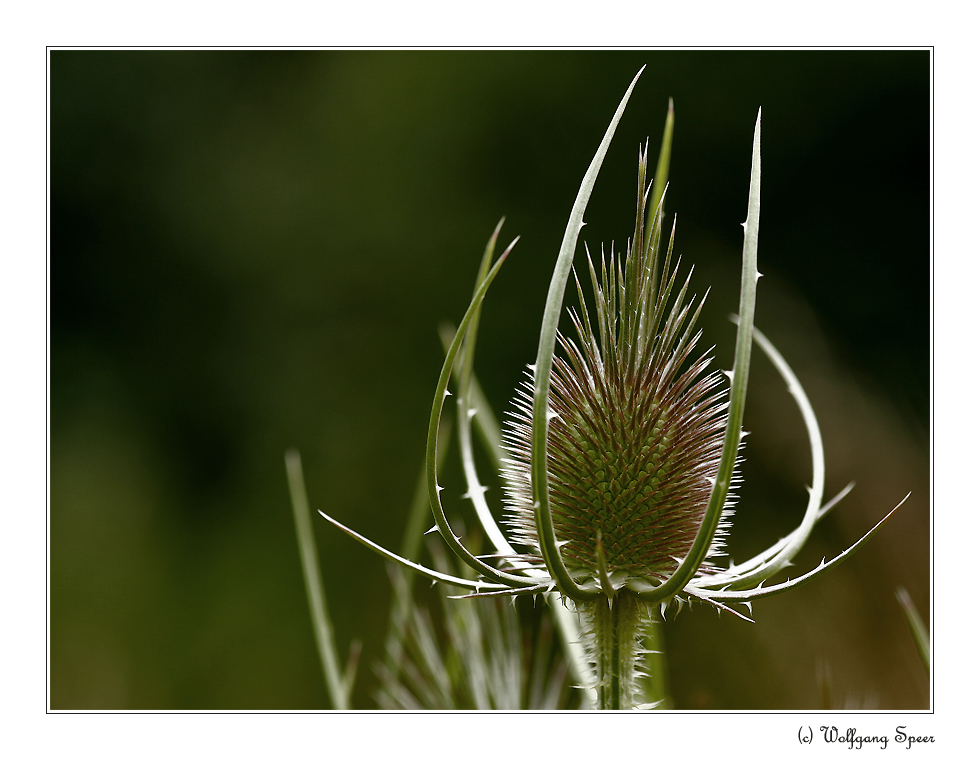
(622, 454)
(636, 423)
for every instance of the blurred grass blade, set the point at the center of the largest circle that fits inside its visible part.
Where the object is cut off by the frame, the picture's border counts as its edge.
(918, 628)
(338, 686)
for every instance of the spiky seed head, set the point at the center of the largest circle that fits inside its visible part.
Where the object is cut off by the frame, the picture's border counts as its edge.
(636, 425)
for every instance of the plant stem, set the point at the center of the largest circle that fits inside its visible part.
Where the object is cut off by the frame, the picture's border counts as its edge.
(655, 684)
(614, 630)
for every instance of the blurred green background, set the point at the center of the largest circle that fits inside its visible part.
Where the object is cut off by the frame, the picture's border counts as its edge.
(252, 250)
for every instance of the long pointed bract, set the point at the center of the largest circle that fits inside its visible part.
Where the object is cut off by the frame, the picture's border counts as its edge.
(795, 541)
(544, 360)
(740, 379)
(432, 442)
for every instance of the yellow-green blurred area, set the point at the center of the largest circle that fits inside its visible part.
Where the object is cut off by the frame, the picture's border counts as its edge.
(253, 250)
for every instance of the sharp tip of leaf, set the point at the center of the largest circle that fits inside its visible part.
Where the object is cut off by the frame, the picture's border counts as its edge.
(496, 232)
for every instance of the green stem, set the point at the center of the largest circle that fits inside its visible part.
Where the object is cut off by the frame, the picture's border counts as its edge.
(614, 629)
(655, 684)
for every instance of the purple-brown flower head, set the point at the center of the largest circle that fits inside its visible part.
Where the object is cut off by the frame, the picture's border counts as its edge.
(636, 426)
